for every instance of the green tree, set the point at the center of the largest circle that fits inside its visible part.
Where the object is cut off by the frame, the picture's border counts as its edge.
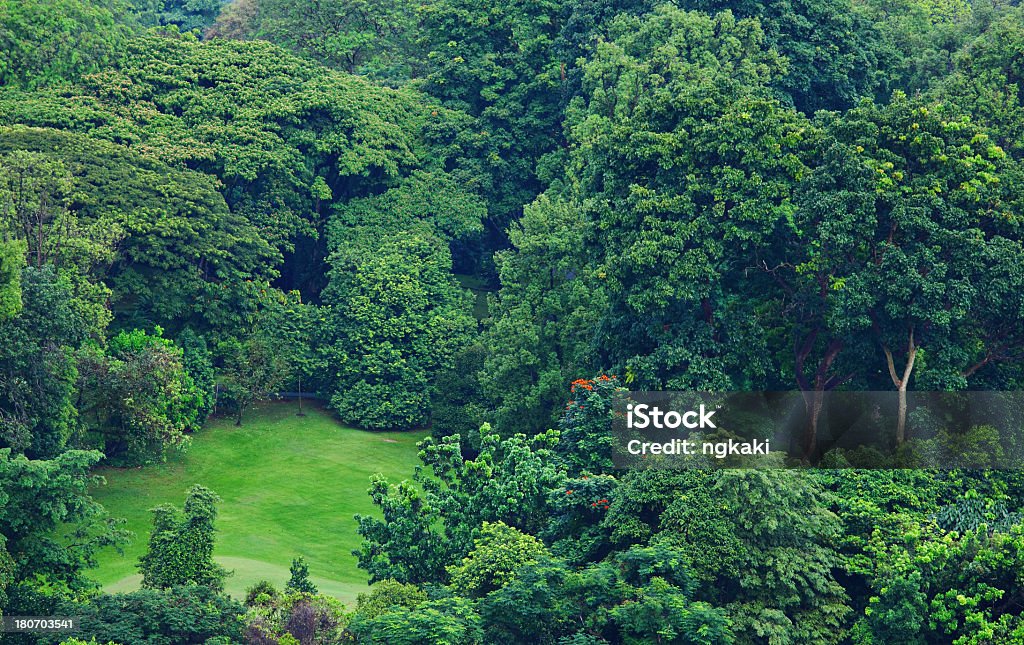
(912, 228)
(545, 306)
(237, 20)
(535, 605)
(773, 558)
(586, 439)
(832, 49)
(387, 594)
(395, 319)
(297, 618)
(299, 580)
(282, 138)
(38, 371)
(660, 612)
(423, 531)
(12, 258)
(760, 547)
(402, 545)
(254, 370)
(680, 178)
(986, 79)
(52, 530)
(181, 544)
(931, 586)
(498, 552)
(186, 15)
(137, 399)
(640, 595)
(180, 614)
(292, 327)
(180, 255)
(452, 621)
(34, 196)
(46, 41)
(497, 63)
(458, 405)
(198, 364)
(357, 36)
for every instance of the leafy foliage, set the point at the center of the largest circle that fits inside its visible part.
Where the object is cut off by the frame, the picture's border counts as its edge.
(182, 614)
(45, 42)
(299, 580)
(497, 554)
(37, 398)
(179, 249)
(705, 195)
(181, 545)
(507, 479)
(186, 15)
(138, 399)
(51, 528)
(396, 318)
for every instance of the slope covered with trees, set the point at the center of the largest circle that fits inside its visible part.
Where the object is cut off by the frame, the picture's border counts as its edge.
(205, 203)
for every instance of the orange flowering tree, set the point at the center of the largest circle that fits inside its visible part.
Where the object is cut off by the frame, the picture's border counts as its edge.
(586, 424)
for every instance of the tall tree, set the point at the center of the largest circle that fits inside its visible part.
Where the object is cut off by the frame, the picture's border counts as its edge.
(299, 579)
(292, 326)
(395, 319)
(51, 530)
(679, 182)
(423, 531)
(912, 219)
(497, 63)
(36, 196)
(161, 237)
(254, 370)
(38, 370)
(770, 555)
(186, 15)
(357, 36)
(181, 544)
(137, 401)
(12, 258)
(831, 47)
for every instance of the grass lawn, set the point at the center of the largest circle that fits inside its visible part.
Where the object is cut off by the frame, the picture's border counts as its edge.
(290, 487)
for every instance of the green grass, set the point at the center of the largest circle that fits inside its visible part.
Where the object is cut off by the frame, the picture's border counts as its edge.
(290, 487)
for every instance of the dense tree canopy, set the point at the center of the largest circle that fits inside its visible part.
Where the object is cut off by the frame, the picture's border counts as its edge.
(181, 545)
(46, 42)
(486, 221)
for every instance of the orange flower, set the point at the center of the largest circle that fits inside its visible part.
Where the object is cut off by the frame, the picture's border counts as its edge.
(581, 382)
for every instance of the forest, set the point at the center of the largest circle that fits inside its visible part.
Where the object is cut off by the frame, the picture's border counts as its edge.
(484, 220)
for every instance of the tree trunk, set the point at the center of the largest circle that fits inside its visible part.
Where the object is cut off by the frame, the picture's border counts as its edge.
(901, 384)
(300, 412)
(813, 403)
(901, 421)
(814, 391)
